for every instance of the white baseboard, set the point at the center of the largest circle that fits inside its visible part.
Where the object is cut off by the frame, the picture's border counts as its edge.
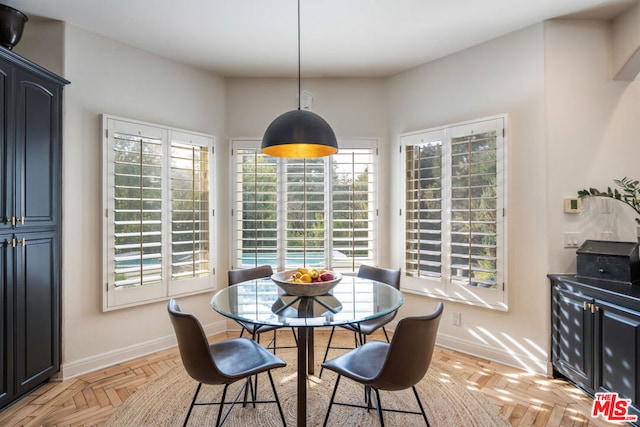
(93, 363)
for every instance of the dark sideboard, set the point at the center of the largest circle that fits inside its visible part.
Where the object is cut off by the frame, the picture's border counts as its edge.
(595, 335)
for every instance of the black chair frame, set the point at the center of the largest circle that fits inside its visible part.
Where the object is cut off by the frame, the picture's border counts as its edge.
(217, 363)
(385, 275)
(394, 366)
(378, 405)
(248, 385)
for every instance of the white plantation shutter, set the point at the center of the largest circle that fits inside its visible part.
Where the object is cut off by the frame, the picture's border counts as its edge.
(474, 206)
(353, 207)
(256, 207)
(454, 204)
(305, 208)
(137, 210)
(190, 211)
(424, 204)
(157, 228)
(313, 212)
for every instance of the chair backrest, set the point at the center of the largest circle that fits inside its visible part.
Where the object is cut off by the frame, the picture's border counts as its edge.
(384, 275)
(194, 347)
(243, 274)
(410, 351)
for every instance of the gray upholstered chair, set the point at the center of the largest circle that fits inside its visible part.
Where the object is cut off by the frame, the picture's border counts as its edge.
(242, 275)
(219, 364)
(390, 366)
(363, 329)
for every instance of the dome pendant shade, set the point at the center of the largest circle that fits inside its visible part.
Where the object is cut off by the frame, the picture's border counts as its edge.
(299, 134)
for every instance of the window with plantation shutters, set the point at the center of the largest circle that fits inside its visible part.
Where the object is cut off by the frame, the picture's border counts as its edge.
(353, 202)
(454, 212)
(304, 212)
(157, 224)
(189, 209)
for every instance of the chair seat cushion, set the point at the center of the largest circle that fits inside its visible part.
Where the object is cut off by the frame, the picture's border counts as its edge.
(363, 364)
(238, 358)
(251, 327)
(370, 326)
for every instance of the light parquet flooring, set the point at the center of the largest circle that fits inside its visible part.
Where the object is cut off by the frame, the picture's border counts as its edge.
(89, 400)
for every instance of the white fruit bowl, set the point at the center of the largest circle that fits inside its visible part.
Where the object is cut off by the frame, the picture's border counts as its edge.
(304, 289)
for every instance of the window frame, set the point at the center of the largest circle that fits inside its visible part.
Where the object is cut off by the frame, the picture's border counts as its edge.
(443, 287)
(279, 265)
(114, 297)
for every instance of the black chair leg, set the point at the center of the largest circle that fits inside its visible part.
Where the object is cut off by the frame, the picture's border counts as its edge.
(224, 395)
(333, 396)
(415, 392)
(249, 384)
(379, 407)
(326, 352)
(275, 393)
(246, 390)
(193, 402)
(385, 333)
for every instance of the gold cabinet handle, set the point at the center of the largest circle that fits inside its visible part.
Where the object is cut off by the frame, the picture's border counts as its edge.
(15, 242)
(584, 306)
(593, 308)
(13, 221)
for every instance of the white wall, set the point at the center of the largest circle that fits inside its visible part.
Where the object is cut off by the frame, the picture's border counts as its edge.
(505, 75)
(593, 130)
(112, 78)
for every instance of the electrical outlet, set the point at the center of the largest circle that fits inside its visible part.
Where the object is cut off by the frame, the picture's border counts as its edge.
(455, 319)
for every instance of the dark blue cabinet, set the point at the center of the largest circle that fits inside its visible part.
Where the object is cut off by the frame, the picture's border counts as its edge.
(595, 336)
(30, 229)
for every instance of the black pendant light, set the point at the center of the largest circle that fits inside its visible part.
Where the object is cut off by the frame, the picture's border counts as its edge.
(299, 133)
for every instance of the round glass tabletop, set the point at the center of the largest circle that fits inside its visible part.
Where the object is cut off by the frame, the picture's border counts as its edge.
(352, 300)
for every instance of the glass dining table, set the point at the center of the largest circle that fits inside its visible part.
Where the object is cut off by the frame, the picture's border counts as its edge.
(262, 302)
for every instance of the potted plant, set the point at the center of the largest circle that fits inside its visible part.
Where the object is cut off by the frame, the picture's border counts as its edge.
(629, 194)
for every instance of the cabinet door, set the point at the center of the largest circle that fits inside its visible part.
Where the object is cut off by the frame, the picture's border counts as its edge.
(618, 355)
(6, 151)
(6, 315)
(572, 340)
(37, 316)
(37, 154)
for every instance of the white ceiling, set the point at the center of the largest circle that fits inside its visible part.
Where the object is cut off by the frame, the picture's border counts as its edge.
(352, 38)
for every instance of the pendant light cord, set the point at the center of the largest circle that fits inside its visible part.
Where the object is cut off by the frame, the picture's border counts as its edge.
(299, 84)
